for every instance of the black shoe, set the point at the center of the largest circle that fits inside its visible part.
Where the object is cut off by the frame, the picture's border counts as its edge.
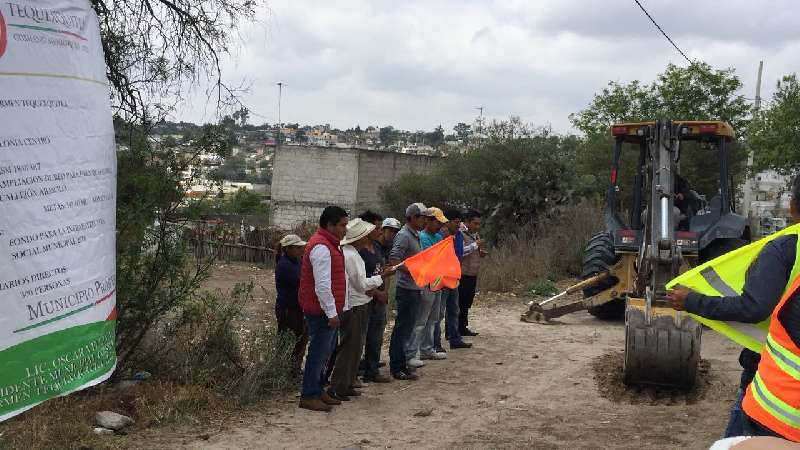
(340, 397)
(440, 350)
(405, 376)
(468, 332)
(461, 344)
(353, 393)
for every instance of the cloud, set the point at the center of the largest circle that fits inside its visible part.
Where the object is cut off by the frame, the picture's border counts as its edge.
(416, 64)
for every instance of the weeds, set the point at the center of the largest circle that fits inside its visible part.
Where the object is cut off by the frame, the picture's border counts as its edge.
(203, 362)
(68, 422)
(548, 250)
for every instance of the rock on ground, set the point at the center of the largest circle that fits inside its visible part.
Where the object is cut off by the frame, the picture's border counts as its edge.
(112, 420)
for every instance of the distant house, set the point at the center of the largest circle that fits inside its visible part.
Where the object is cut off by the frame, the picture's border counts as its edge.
(766, 199)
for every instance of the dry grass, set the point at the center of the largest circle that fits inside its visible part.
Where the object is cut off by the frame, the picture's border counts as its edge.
(68, 422)
(549, 250)
(202, 365)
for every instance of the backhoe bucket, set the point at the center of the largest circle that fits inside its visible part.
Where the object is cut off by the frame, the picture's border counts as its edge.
(664, 350)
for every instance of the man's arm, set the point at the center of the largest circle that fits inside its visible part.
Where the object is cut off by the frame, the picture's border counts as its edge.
(320, 258)
(398, 252)
(764, 285)
(357, 273)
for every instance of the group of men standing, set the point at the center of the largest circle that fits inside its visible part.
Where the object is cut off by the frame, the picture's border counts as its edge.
(345, 274)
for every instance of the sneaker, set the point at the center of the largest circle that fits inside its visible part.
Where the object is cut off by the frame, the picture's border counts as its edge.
(379, 378)
(405, 376)
(315, 404)
(460, 344)
(415, 363)
(434, 356)
(440, 350)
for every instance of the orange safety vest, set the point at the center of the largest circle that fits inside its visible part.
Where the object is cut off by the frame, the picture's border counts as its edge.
(773, 398)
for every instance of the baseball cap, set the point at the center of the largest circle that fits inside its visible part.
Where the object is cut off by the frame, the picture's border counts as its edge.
(391, 222)
(416, 209)
(438, 214)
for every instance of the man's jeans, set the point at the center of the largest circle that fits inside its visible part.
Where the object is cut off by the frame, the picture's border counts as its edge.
(450, 317)
(322, 340)
(373, 338)
(428, 345)
(424, 311)
(736, 424)
(406, 301)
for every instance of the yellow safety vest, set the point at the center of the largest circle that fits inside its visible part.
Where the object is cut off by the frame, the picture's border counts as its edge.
(724, 277)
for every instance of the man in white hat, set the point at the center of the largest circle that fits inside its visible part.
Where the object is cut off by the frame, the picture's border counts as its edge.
(356, 309)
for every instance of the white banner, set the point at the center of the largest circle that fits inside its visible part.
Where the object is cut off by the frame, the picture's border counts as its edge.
(57, 204)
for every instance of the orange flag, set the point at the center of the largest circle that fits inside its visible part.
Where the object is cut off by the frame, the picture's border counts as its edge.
(436, 266)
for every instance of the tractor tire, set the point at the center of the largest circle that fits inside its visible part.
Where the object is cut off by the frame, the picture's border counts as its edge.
(599, 257)
(720, 247)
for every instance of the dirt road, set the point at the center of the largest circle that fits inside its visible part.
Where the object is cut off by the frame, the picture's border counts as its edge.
(522, 385)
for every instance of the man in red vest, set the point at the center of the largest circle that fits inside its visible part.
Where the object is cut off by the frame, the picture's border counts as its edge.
(323, 288)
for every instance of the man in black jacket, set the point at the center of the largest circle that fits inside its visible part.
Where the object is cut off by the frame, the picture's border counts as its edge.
(764, 285)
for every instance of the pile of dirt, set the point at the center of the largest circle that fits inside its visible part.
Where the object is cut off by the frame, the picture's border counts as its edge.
(609, 378)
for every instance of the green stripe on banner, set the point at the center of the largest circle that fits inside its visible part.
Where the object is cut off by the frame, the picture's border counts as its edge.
(55, 364)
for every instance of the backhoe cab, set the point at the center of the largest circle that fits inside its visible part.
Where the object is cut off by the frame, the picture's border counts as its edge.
(669, 228)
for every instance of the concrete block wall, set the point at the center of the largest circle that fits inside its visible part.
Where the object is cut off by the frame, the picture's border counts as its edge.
(306, 179)
(377, 169)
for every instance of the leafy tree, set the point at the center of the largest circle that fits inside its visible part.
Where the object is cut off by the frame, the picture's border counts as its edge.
(156, 50)
(513, 181)
(233, 169)
(696, 92)
(387, 135)
(435, 138)
(241, 116)
(244, 202)
(462, 130)
(774, 134)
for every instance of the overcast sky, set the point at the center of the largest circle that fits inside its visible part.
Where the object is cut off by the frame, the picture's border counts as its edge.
(417, 64)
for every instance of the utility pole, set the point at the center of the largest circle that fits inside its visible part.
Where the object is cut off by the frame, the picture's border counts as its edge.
(480, 122)
(748, 185)
(480, 118)
(280, 125)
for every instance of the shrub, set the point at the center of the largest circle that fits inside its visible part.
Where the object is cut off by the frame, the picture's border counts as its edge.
(547, 251)
(513, 179)
(207, 344)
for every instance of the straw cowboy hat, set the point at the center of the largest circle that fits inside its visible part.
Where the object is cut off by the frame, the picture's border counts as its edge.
(357, 229)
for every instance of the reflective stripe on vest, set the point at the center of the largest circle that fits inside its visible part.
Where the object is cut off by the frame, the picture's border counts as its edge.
(774, 406)
(725, 277)
(773, 398)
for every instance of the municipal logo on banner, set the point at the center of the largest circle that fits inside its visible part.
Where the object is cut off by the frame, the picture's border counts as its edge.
(3, 35)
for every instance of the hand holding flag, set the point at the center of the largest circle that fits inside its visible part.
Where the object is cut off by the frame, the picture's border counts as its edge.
(436, 266)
